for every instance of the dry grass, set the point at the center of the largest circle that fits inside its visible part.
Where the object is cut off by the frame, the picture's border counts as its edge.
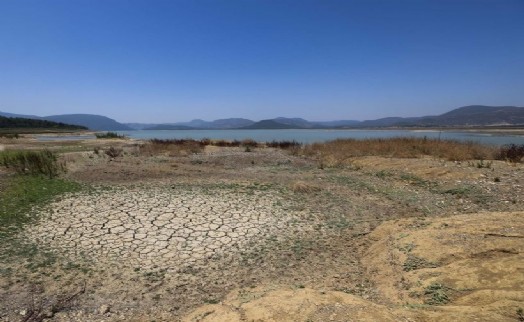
(511, 152)
(177, 147)
(303, 187)
(173, 147)
(339, 152)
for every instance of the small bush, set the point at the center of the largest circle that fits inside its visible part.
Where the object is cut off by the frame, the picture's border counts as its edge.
(221, 143)
(114, 152)
(109, 135)
(283, 144)
(9, 135)
(249, 143)
(437, 294)
(205, 141)
(303, 187)
(413, 263)
(32, 162)
(511, 152)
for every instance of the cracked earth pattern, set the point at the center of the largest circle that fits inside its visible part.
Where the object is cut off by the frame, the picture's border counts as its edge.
(160, 228)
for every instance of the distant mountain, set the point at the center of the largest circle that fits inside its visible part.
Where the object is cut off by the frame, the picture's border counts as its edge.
(474, 115)
(338, 124)
(295, 122)
(197, 123)
(25, 123)
(270, 125)
(231, 123)
(140, 126)
(168, 127)
(479, 115)
(93, 122)
(34, 117)
(388, 121)
(90, 121)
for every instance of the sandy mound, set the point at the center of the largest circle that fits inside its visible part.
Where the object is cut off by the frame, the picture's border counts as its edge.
(468, 263)
(464, 268)
(291, 305)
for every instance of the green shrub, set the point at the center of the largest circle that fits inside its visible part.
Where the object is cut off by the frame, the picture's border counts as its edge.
(109, 135)
(32, 162)
(437, 294)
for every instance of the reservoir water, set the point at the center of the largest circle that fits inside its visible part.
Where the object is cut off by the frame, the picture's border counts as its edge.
(310, 136)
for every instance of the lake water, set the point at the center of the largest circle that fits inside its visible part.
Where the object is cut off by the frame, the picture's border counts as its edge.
(310, 136)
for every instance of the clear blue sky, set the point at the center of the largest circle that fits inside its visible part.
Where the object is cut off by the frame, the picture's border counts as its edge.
(175, 60)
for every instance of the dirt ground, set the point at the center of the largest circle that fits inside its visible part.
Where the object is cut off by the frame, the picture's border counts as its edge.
(270, 235)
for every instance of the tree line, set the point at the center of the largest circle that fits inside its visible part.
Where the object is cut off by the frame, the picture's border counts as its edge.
(19, 122)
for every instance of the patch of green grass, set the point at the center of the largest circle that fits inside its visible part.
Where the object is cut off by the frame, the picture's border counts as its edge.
(23, 193)
(300, 247)
(437, 294)
(413, 263)
(459, 191)
(383, 174)
(211, 301)
(406, 249)
(471, 192)
(32, 162)
(520, 314)
(414, 180)
(17, 204)
(154, 276)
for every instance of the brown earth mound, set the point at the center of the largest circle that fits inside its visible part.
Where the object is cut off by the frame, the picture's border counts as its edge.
(463, 268)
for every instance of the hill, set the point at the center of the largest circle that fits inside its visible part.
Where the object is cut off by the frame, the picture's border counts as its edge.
(5, 114)
(269, 125)
(473, 115)
(338, 124)
(25, 123)
(231, 123)
(91, 121)
(168, 127)
(295, 122)
(480, 115)
(140, 126)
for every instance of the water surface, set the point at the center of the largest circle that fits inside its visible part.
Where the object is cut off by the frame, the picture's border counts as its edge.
(310, 136)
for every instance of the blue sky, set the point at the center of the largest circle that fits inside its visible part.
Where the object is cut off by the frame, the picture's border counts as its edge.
(176, 60)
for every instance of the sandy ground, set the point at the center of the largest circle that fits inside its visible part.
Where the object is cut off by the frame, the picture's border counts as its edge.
(266, 235)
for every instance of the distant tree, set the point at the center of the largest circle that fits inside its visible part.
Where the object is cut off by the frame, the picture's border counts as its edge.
(19, 122)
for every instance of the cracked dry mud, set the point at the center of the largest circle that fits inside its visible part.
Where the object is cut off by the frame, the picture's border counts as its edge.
(159, 228)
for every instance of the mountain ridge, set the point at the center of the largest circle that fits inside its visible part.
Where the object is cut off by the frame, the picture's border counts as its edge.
(91, 121)
(471, 115)
(27, 123)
